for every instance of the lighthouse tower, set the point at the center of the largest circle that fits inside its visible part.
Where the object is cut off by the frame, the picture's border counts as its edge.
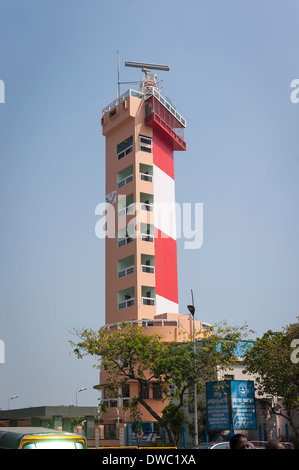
(142, 131)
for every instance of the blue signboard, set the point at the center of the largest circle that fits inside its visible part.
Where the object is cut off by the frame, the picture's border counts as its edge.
(230, 405)
(243, 404)
(217, 406)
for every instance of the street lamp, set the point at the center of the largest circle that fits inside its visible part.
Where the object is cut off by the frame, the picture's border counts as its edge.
(191, 309)
(11, 398)
(78, 391)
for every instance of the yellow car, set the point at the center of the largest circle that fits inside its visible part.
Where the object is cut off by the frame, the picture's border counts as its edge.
(39, 438)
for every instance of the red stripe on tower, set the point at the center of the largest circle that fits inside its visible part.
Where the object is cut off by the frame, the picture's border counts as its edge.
(163, 154)
(166, 266)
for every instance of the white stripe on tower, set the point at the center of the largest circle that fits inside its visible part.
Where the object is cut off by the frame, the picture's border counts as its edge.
(164, 215)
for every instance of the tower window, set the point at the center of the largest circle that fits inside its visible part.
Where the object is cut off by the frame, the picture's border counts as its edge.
(124, 148)
(145, 149)
(145, 143)
(145, 140)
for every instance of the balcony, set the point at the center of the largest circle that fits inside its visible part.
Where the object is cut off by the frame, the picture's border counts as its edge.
(147, 232)
(146, 172)
(160, 115)
(147, 237)
(124, 241)
(125, 204)
(148, 263)
(125, 266)
(124, 181)
(125, 271)
(147, 269)
(146, 177)
(126, 303)
(148, 301)
(148, 295)
(126, 210)
(155, 121)
(126, 298)
(151, 92)
(146, 207)
(125, 176)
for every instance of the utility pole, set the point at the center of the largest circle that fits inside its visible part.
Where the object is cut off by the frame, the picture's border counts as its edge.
(191, 309)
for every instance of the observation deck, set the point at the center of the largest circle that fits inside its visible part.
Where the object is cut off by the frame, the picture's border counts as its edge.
(159, 114)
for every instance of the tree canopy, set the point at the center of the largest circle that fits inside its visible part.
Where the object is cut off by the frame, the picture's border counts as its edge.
(126, 354)
(273, 362)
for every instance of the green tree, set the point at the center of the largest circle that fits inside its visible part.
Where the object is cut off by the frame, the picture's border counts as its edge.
(127, 353)
(270, 360)
(176, 421)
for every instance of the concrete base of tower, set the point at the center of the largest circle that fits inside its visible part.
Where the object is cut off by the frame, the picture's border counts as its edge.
(115, 427)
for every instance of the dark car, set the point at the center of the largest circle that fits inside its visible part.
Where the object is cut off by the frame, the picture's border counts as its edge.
(217, 445)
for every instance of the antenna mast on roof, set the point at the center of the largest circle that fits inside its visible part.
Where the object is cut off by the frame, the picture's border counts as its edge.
(118, 82)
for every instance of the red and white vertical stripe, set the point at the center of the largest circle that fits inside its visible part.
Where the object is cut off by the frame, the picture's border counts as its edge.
(165, 227)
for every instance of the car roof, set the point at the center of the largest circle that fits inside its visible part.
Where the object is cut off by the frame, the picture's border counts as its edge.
(12, 436)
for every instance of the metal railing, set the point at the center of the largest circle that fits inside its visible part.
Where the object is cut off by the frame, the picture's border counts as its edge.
(116, 402)
(125, 180)
(150, 92)
(148, 301)
(146, 177)
(168, 106)
(145, 268)
(122, 98)
(144, 323)
(125, 152)
(126, 210)
(125, 271)
(124, 241)
(147, 237)
(146, 207)
(126, 303)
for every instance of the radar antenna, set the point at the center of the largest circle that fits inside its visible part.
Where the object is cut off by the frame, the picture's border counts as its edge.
(149, 79)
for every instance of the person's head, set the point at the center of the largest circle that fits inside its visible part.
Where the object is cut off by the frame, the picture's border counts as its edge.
(239, 441)
(275, 445)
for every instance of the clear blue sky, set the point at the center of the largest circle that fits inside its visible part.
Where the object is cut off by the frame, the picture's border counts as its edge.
(231, 63)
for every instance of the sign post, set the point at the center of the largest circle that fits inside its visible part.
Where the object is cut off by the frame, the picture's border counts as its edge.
(230, 405)
(218, 415)
(243, 404)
